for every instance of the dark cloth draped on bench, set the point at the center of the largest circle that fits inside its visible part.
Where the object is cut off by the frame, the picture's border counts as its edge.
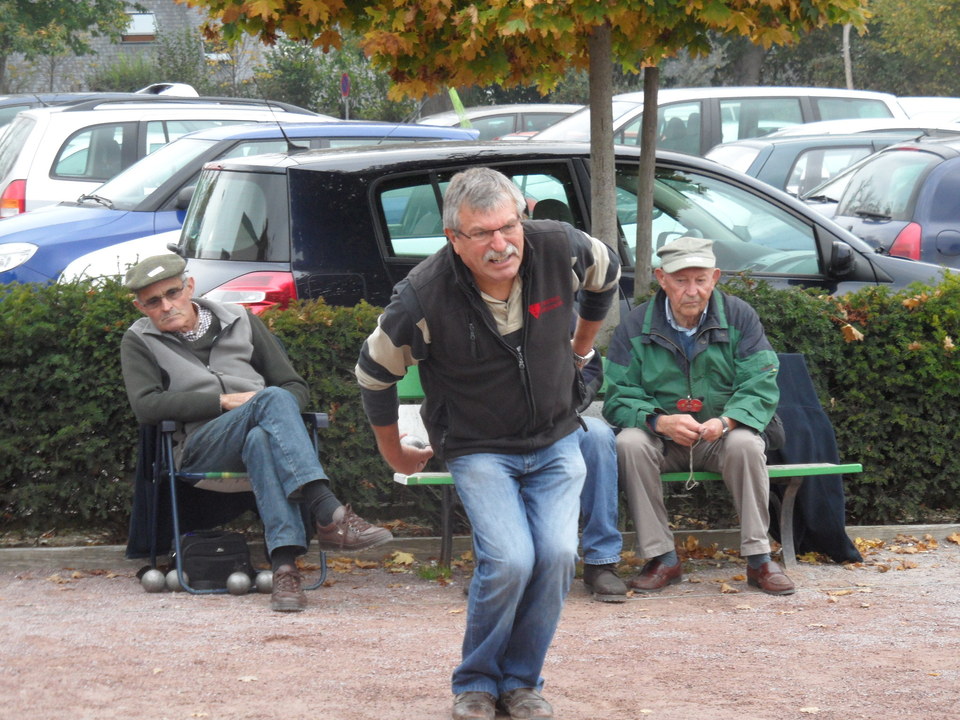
(819, 515)
(199, 509)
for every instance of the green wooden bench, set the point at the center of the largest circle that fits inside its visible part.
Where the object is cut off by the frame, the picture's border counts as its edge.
(410, 392)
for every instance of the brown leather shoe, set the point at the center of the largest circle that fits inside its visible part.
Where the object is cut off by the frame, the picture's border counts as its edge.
(287, 595)
(770, 578)
(349, 531)
(525, 704)
(474, 706)
(655, 576)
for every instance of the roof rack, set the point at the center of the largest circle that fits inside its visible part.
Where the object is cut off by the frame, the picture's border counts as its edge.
(171, 100)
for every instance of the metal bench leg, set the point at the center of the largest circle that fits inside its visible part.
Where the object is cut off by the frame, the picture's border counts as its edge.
(446, 525)
(786, 521)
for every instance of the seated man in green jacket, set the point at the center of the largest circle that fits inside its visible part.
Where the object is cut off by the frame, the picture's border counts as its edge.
(692, 382)
(217, 370)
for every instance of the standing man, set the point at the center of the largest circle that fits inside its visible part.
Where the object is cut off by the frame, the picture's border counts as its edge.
(692, 382)
(217, 370)
(487, 318)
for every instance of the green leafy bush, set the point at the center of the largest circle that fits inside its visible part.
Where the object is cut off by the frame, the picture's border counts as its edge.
(67, 435)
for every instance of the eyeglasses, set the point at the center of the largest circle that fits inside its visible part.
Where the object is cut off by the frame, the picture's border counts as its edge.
(508, 230)
(170, 295)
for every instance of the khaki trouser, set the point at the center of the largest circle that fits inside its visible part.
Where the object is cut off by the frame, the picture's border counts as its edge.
(738, 457)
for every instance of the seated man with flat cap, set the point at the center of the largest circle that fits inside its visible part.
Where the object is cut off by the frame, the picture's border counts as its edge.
(217, 370)
(692, 382)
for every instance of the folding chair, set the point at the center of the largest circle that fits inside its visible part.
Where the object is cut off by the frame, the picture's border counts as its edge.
(166, 472)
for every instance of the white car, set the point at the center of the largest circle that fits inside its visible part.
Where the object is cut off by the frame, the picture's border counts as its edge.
(115, 260)
(693, 120)
(909, 127)
(49, 155)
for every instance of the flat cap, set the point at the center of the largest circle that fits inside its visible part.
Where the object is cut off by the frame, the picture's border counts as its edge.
(687, 252)
(153, 269)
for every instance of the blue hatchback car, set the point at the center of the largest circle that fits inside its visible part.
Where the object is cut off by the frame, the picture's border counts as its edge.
(151, 196)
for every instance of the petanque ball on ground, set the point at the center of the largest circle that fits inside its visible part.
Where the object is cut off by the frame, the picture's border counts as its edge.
(265, 581)
(153, 581)
(173, 582)
(238, 583)
(413, 441)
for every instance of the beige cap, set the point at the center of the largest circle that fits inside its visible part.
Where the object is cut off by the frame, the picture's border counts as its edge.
(153, 269)
(687, 252)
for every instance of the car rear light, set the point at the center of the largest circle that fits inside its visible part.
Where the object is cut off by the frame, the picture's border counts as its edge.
(257, 291)
(907, 243)
(14, 199)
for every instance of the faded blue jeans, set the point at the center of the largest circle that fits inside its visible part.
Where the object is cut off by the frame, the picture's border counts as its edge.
(266, 438)
(523, 510)
(600, 539)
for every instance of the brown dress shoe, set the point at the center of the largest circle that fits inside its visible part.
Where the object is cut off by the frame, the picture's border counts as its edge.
(287, 595)
(474, 705)
(656, 576)
(771, 579)
(525, 704)
(349, 531)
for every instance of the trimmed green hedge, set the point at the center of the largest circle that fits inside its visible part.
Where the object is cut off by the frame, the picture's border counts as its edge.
(67, 434)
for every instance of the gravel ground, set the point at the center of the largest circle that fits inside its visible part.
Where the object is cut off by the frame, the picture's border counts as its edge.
(874, 640)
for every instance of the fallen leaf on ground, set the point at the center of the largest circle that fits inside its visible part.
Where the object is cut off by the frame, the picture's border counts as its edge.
(724, 588)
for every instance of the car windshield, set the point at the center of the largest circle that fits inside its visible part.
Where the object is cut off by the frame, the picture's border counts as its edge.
(576, 127)
(737, 157)
(749, 232)
(241, 216)
(886, 186)
(140, 180)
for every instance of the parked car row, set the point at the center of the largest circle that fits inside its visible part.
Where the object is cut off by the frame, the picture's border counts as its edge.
(348, 224)
(308, 219)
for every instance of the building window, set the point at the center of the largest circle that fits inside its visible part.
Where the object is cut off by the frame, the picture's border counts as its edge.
(142, 28)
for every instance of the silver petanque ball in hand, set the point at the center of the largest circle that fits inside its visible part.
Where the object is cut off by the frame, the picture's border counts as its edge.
(265, 581)
(412, 441)
(153, 581)
(238, 583)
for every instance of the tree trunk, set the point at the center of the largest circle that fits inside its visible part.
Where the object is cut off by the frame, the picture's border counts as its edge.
(645, 181)
(603, 199)
(847, 65)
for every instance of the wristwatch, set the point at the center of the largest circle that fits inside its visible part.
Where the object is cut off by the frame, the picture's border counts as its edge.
(726, 426)
(581, 360)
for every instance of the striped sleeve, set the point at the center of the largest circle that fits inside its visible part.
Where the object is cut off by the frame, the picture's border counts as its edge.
(596, 270)
(401, 339)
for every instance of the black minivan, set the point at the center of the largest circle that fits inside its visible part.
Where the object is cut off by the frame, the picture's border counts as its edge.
(347, 225)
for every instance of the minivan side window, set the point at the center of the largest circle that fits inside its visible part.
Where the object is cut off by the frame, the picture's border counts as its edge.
(749, 233)
(843, 108)
(756, 117)
(679, 127)
(96, 153)
(414, 214)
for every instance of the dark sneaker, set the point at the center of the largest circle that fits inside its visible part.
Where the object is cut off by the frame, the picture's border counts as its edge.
(604, 583)
(525, 704)
(349, 531)
(288, 595)
(474, 706)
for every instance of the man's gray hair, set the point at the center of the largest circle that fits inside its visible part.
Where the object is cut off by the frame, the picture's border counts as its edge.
(480, 189)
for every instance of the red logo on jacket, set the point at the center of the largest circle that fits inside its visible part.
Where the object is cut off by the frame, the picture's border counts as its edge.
(538, 309)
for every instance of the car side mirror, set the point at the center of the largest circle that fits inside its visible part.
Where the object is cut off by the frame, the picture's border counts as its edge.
(184, 197)
(842, 259)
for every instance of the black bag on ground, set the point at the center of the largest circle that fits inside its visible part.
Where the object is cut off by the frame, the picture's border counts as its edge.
(210, 556)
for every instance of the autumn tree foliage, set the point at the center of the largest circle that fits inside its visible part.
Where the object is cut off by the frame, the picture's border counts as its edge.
(427, 45)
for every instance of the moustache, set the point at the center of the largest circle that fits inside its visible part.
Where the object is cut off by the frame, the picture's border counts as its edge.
(500, 255)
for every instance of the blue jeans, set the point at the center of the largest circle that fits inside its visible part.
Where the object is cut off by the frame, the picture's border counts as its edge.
(266, 438)
(523, 510)
(600, 540)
